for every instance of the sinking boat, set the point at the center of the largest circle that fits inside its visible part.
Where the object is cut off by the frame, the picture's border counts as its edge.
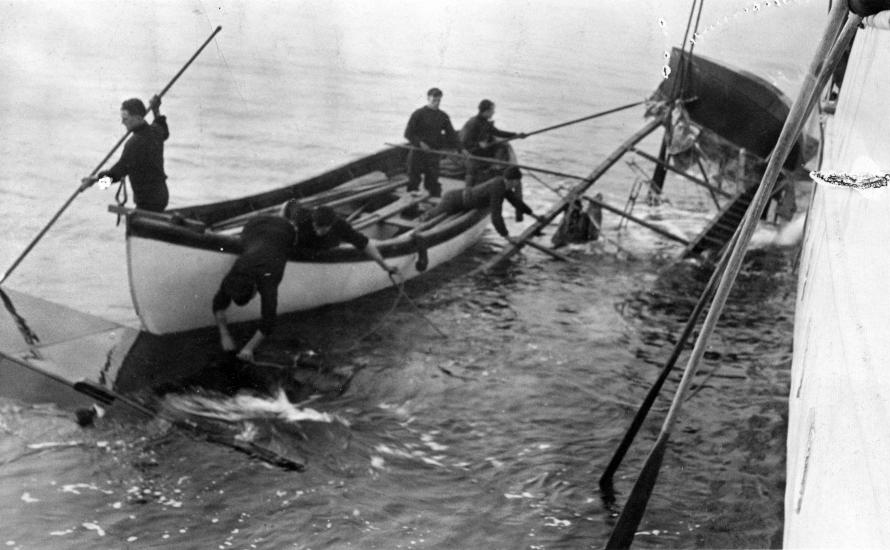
(741, 107)
(838, 475)
(177, 259)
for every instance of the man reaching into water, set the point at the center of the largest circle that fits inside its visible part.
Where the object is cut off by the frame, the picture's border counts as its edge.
(267, 242)
(143, 156)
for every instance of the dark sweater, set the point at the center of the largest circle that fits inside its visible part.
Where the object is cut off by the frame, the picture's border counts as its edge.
(143, 161)
(267, 241)
(433, 127)
(480, 129)
(309, 242)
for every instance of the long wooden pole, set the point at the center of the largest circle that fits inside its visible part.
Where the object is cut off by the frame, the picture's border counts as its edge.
(577, 120)
(486, 160)
(98, 167)
(690, 177)
(605, 482)
(576, 192)
(623, 533)
(631, 217)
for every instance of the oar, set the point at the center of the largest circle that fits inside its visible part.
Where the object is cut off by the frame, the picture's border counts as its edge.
(623, 533)
(488, 160)
(569, 123)
(98, 167)
(606, 485)
(549, 251)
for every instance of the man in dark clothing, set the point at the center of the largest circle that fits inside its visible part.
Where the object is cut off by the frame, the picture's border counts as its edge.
(143, 156)
(429, 128)
(321, 229)
(490, 194)
(478, 136)
(266, 243)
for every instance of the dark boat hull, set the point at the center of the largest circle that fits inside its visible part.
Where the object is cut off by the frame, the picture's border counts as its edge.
(741, 107)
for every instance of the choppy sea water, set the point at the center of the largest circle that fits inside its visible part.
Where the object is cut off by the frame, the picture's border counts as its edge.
(493, 437)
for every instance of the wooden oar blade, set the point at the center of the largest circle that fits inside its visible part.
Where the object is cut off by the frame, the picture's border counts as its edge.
(622, 535)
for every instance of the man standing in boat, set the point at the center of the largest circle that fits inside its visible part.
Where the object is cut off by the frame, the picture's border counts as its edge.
(429, 128)
(490, 194)
(479, 137)
(143, 156)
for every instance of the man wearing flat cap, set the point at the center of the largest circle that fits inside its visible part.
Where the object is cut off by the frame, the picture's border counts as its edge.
(143, 156)
(429, 129)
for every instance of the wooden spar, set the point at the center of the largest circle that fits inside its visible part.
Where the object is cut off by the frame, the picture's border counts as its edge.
(488, 160)
(690, 177)
(833, 44)
(335, 199)
(637, 220)
(194, 225)
(576, 192)
(576, 121)
(382, 215)
(549, 251)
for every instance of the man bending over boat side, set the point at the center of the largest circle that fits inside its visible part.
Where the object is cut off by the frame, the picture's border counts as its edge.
(266, 244)
(479, 137)
(143, 156)
(490, 194)
(322, 229)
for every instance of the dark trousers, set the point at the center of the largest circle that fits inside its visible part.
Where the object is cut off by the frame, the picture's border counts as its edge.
(426, 165)
(154, 198)
(452, 203)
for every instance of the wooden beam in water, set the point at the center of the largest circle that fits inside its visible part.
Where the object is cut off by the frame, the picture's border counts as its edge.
(637, 220)
(575, 193)
(690, 177)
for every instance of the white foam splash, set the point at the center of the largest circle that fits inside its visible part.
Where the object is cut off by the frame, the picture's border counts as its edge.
(244, 407)
(94, 527)
(786, 234)
(51, 444)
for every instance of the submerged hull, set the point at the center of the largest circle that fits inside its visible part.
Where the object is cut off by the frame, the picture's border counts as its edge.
(739, 106)
(838, 473)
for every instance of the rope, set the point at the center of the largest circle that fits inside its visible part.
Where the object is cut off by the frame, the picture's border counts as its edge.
(400, 288)
(120, 197)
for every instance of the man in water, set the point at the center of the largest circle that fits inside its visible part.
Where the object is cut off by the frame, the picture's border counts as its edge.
(143, 156)
(478, 136)
(429, 128)
(490, 194)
